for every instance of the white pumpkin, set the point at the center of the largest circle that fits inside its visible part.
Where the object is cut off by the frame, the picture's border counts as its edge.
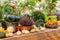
(32, 30)
(37, 29)
(34, 26)
(9, 34)
(25, 31)
(42, 28)
(1, 29)
(18, 32)
(10, 29)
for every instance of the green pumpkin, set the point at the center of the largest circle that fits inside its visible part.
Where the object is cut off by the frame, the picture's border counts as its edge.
(2, 34)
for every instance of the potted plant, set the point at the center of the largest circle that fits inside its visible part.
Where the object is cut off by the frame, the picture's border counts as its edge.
(26, 22)
(38, 17)
(51, 22)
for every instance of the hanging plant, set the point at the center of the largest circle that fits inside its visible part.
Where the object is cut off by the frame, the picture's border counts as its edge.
(7, 9)
(1, 12)
(31, 4)
(51, 4)
(11, 7)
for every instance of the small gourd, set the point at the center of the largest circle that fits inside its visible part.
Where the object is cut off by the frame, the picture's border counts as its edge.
(1, 29)
(6, 31)
(2, 35)
(58, 22)
(32, 30)
(42, 28)
(25, 31)
(18, 32)
(10, 29)
(51, 22)
(37, 29)
(9, 34)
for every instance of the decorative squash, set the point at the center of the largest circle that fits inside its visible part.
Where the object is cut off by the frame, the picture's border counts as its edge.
(25, 31)
(33, 30)
(6, 31)
(58, 22)
(9, 34)
(1, 29)
(2, 35)
(51, 22)
(18, 32)
(42, 28)
(10, 29)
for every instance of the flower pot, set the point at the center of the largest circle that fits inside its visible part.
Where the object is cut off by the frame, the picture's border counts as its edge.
(25, 28)
(51, 26)
(18, 28)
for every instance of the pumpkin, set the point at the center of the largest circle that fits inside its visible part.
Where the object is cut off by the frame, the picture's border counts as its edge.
(42, 28)
(51, 22)
(2, 35)
(1, 29)
(18, 32)
(25, 31)
(58, 22)
(10, 29)
(9, 34)
(32, 30)
(6, 31)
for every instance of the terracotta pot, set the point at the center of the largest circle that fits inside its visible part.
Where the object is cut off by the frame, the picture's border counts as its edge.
(18, 28)
(25, 28)
(51, 26)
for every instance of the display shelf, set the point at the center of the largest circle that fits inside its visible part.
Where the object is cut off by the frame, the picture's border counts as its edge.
(48, 34)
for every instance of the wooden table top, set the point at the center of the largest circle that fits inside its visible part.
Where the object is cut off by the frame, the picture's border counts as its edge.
(48, 34)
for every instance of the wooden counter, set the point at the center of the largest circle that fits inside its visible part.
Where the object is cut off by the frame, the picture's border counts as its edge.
(48, 34)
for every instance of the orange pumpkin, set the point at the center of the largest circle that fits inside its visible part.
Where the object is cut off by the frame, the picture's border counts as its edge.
(6, 31)
(58, 22)
(51, 22)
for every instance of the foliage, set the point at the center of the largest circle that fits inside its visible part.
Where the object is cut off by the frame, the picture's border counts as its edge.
(7, 9)
(2, 35)
(29, 3)
(54, 18)
(11, 8)
(37, 15)
(51, 4)
(26, 21)
(12, 18)
(1, 12)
